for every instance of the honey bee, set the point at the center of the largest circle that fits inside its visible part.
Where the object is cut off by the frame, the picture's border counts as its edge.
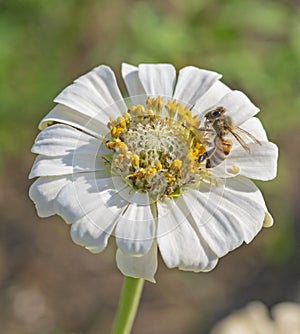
(216, 121)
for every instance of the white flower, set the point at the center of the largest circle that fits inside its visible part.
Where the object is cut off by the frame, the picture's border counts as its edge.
(255, 319)
(145, 173)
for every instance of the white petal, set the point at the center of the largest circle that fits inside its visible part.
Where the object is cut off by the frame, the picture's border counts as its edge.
(227, 214)
(208, 259)
(67, 164)
(65, 115)
(158, 79)
(178, 241)
(136, 229)
(95, 227)
(193, 83)
(94, 94)
(89, 192)
(210, 98)
(65, 150)
(246, 183)
(59, 139)
(43, 193)
(238, 107)
(134, 86)
(259, 164)
(144, 266)
(96, 206)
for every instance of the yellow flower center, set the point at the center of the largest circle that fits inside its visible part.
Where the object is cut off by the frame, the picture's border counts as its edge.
(156, 149)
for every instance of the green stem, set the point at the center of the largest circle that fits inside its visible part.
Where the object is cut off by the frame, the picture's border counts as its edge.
(129, 301)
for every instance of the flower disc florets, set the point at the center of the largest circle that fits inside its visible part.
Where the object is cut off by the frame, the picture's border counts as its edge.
(156, 149)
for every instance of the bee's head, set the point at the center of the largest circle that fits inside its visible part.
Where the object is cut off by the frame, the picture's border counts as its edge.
(215, 113)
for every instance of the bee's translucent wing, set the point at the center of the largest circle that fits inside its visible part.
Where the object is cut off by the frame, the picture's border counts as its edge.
(239, 134)
(248, 134)
(240, 140)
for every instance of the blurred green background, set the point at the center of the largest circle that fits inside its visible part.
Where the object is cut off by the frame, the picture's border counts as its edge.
(48, 284)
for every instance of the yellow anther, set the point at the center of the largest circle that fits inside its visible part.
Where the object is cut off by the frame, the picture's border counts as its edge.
(155, 104)
(194, 122)
(201, 149)
(170, 178)
(150, 103)
(159, 104)
(115, 132)
(158, 165)
(151, 172)
(112, 144)
(111, 124)
(140, 174)
(135, 160)
(121, 121)
(171, 107)
(188, 113)
(137, 111)
(140, 110)
(181, 111)
(191, 120)
(151, 114)
(131, 176)
(177, 164)
(193, 151)
(132, 110)
(119, 131)
(121, 147)
(126, 116)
